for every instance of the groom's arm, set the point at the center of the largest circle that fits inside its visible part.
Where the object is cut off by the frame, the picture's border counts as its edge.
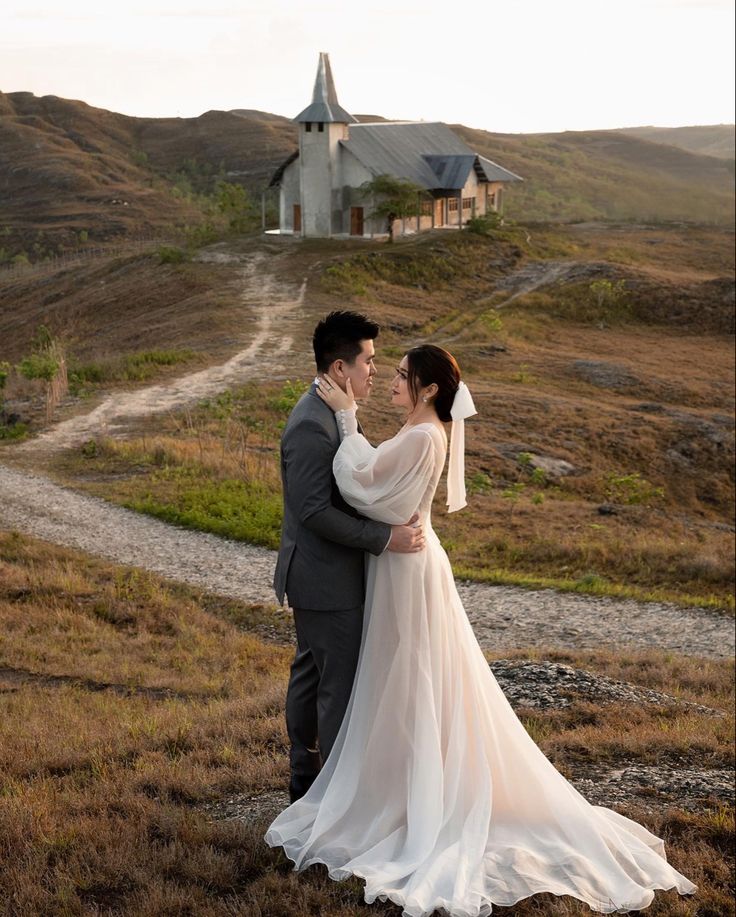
(307, 454)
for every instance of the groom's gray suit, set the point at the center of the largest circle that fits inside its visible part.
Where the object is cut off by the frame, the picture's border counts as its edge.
(321, 568)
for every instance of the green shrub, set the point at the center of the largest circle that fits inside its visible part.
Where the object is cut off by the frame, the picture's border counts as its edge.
(290, 393)
(479, 483)
(484, 224)
(135, 367)
(491, 321)
(13, 431)
(236, 206)
(39, 366)
(169, 254)
(631, 489)
(201, 234)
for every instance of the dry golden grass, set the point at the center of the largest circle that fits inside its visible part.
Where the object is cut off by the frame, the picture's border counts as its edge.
(127, 702)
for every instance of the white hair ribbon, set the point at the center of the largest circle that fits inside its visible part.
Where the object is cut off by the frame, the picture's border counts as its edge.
(462, 407)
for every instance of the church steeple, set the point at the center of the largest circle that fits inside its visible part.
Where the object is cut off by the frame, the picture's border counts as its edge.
(325, 108)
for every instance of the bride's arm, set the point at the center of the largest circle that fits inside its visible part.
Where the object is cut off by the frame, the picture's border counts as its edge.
(386, 483)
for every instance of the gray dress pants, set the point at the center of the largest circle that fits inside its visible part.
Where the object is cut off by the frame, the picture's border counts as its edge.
(322, 674)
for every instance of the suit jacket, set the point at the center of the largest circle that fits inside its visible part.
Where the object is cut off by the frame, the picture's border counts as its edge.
(321, 564)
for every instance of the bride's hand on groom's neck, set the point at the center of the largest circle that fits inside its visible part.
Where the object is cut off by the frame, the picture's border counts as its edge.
(333, 396)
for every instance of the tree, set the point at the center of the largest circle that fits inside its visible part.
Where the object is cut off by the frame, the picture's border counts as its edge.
(234, 202)
(396, 198)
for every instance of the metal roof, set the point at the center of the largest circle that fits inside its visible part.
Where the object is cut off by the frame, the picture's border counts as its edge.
(279, 173)
(401, 149)
(451, 171)
(426, 153)
(494, 172)
(325, 106)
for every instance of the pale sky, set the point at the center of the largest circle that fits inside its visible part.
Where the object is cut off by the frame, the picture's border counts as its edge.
(512, 66)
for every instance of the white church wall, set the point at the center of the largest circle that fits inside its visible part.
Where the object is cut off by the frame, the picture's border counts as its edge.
(353, 174)
(289, 196)
(318, 159)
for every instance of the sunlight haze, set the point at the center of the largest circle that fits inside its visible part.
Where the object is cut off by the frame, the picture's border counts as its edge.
(515, 67)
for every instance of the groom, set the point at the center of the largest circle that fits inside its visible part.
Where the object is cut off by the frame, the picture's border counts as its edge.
(321, 562)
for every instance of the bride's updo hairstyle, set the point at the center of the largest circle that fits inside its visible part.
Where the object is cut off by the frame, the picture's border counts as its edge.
(427, 364)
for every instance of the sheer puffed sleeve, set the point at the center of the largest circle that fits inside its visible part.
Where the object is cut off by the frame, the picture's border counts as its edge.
(386, 483)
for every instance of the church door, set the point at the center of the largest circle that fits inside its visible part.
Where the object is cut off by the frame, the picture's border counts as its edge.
(439, 212)
(356, 221)
(297, 217)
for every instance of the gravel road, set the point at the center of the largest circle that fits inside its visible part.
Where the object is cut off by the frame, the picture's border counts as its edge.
(503, 617)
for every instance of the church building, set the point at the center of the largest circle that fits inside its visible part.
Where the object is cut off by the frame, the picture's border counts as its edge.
(319, 185)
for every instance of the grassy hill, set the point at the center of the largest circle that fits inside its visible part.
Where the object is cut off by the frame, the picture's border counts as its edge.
(606, 175)
(73, 174)
(710, 139)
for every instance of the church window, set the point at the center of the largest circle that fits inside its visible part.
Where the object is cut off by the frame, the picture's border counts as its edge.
(452, 204)
(320, 127)
(468, 203)
(308, 127)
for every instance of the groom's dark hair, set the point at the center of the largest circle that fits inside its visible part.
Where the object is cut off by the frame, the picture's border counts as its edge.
(338, 337)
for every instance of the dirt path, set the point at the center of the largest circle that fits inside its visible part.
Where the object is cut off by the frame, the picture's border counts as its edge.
(535, 274)
(502, 616)
(272, 305)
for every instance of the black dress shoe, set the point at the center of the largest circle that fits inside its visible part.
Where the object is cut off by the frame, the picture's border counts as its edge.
(298, 786)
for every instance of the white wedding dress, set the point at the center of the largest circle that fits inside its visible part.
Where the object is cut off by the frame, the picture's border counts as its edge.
(434, 793)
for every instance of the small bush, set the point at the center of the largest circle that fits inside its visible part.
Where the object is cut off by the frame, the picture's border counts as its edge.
(479, 483)
(484, 224)
(135, 367)
(39, 366)
(491, 321)
(290, 393)
(631, 489)
(201, 234)
(169, 254)
(13, 431)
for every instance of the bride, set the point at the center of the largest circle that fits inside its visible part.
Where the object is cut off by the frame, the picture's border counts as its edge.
(433, 792)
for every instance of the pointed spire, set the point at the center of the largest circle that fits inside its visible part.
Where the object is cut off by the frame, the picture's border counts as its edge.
(325, 106)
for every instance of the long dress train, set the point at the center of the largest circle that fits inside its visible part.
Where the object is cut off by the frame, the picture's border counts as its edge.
(434, 793)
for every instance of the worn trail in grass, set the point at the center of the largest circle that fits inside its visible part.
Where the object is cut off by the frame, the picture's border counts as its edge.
(272, 305)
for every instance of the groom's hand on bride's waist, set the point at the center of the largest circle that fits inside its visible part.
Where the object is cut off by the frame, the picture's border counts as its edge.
(407, 539)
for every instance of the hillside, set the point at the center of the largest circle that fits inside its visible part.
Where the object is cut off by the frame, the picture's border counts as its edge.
(606, 175)
(67, 168)
(710, 139)
(72, 173)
